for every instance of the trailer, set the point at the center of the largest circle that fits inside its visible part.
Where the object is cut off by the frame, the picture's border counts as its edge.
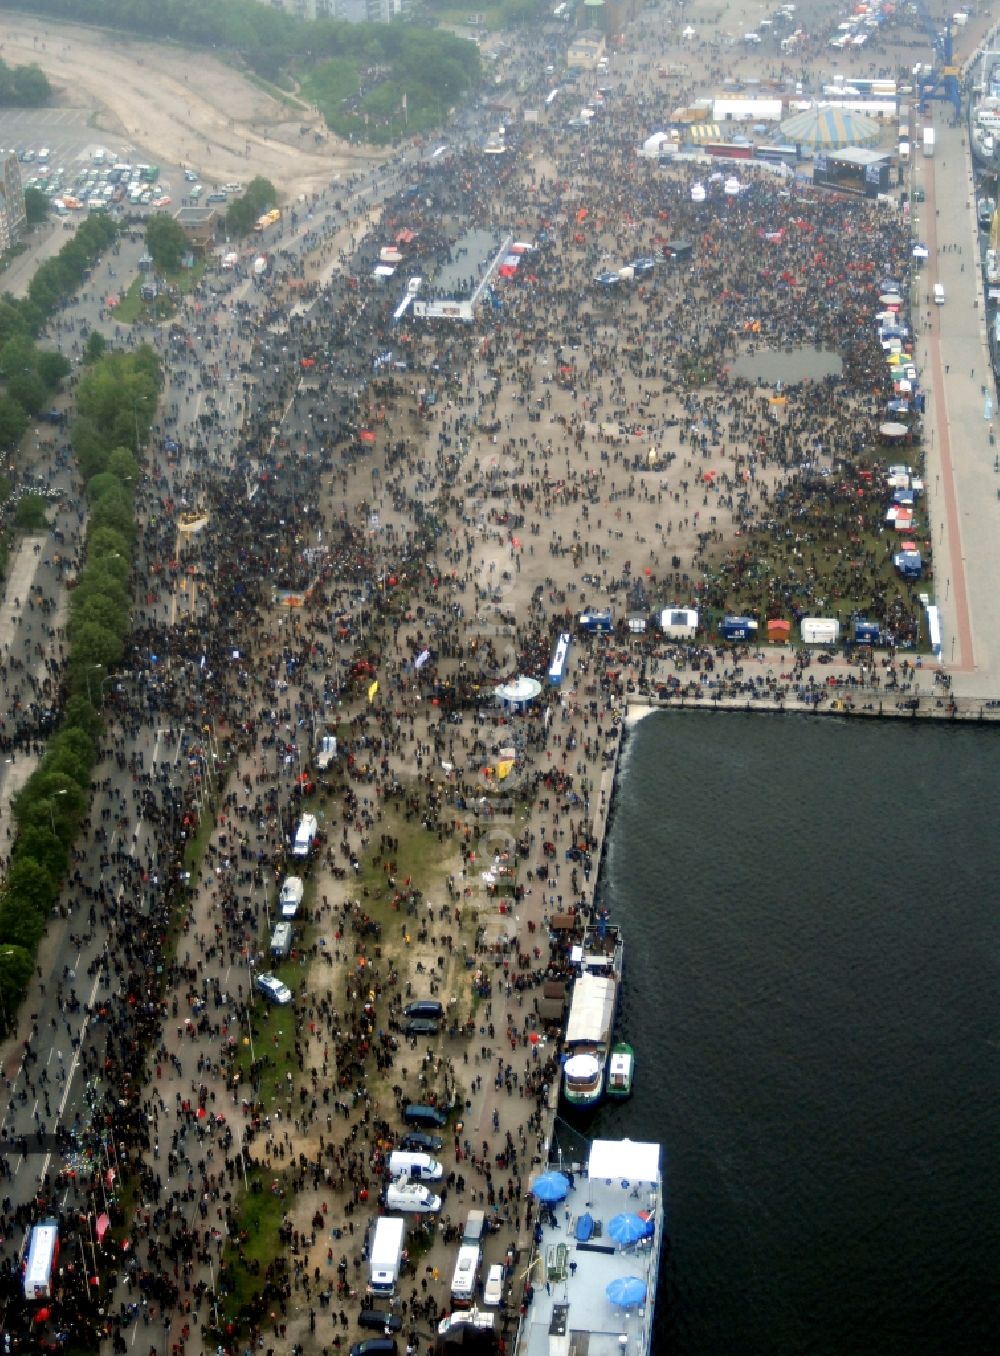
(820, 630)
(928, 141)
(386, 1259)
(41, 1255)
(737, 628)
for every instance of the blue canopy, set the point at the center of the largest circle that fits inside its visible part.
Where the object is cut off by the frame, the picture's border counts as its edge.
(551, 1186)
(628, 1229)
(584, 1228)
(626, 1291)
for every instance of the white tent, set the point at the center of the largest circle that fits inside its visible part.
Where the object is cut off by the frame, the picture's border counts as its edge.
(679, 623)
(654, 146)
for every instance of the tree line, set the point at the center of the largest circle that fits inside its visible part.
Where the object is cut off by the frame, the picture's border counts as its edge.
(31, 375)
(23, 86)
(415, 60)
(116, 401)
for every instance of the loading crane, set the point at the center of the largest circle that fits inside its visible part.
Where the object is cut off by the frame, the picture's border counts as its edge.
(942, 82)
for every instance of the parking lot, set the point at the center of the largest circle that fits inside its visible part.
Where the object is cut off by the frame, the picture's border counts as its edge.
(65, 131)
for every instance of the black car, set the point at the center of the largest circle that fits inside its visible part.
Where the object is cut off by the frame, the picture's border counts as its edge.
(419, 1143)
(381, 1319)
(425, 1007)
(425, 1117)
(420, 1026)
(376, 1346)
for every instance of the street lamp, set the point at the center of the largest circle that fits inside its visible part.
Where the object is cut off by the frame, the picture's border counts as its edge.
(52, 818)
(93, 668)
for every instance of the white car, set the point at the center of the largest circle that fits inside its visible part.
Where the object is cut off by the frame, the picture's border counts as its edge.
(274, 990)
(292, 892)
(493, 1289)
(411, 1198)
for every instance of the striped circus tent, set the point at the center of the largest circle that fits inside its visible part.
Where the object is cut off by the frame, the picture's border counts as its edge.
(830, 128)
(705, 131)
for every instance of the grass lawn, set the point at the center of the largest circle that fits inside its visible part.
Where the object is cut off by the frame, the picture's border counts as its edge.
(490, 16)
(131, 306)
(273, 1045)
(260, 1211)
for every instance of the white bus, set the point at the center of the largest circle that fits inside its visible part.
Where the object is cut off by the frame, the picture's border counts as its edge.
(463, 1283)
(40, 1260)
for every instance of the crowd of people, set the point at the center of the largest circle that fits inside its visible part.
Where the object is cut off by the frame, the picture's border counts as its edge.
(432, 548)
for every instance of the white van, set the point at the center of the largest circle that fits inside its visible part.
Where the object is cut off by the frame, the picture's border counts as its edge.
(939, 294)
(281, 940)
(305, 836)
(417, 1167)
(292, 891)
(463, 1282)
(411, 1198)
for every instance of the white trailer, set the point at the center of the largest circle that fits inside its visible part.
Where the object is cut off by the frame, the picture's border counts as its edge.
(386, 1259)
(928, 141)
(820, 630)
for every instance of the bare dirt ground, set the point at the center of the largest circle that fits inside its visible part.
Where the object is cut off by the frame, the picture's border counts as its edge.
(183, 106)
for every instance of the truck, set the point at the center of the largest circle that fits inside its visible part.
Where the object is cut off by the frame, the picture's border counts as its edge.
(928, 141)
(268, 219)
(41, 1255)
(326, 754)
(386, 1258)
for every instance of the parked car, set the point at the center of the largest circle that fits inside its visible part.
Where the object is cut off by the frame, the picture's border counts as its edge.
(411, 1198)
(273, 989)
(419, 1143)
(425, 1007)
(425, 1117)
(420, 1026)
(493, 1289)
(375, 1346)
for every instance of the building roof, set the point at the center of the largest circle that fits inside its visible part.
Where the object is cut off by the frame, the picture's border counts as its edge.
(826, 128)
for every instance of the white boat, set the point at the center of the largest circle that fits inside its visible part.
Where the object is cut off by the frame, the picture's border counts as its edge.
(575, 1260)
(590, 1027)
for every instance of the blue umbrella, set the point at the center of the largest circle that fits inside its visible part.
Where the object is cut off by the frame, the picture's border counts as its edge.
(626, 1291)
(551, 1186)
(628, 1229)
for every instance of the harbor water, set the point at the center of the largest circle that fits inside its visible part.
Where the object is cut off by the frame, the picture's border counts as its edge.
(812, 973)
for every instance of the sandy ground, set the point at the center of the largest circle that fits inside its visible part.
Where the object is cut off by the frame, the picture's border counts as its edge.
(183, 107)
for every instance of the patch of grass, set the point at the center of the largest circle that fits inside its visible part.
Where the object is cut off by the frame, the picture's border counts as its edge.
(268, 1048)
(282, 96)
(254, 1244)
(131, 306)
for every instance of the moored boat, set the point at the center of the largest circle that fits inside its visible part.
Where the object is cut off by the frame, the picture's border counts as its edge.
(621, 1070)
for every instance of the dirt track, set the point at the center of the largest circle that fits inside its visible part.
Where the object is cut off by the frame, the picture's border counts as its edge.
(182, 106)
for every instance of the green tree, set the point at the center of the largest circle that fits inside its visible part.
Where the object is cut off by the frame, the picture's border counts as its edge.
(105, 541)
(31, 87)
(31, 513)
(16, 967)
(166, 242)
(28, 390)
(81, 714)
(38, 843)
(103, 609)
(95, 644)
(52, 368)
(28, 882)
(13, 423)
(36, 206)
(21, 926)
(94, 348)
(122, 463)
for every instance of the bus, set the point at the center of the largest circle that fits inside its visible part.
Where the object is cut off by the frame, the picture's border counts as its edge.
(787, 155)
(41, 1254)
(463, 1282)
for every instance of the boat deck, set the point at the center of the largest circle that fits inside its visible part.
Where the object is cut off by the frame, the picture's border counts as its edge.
(570, 1278)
